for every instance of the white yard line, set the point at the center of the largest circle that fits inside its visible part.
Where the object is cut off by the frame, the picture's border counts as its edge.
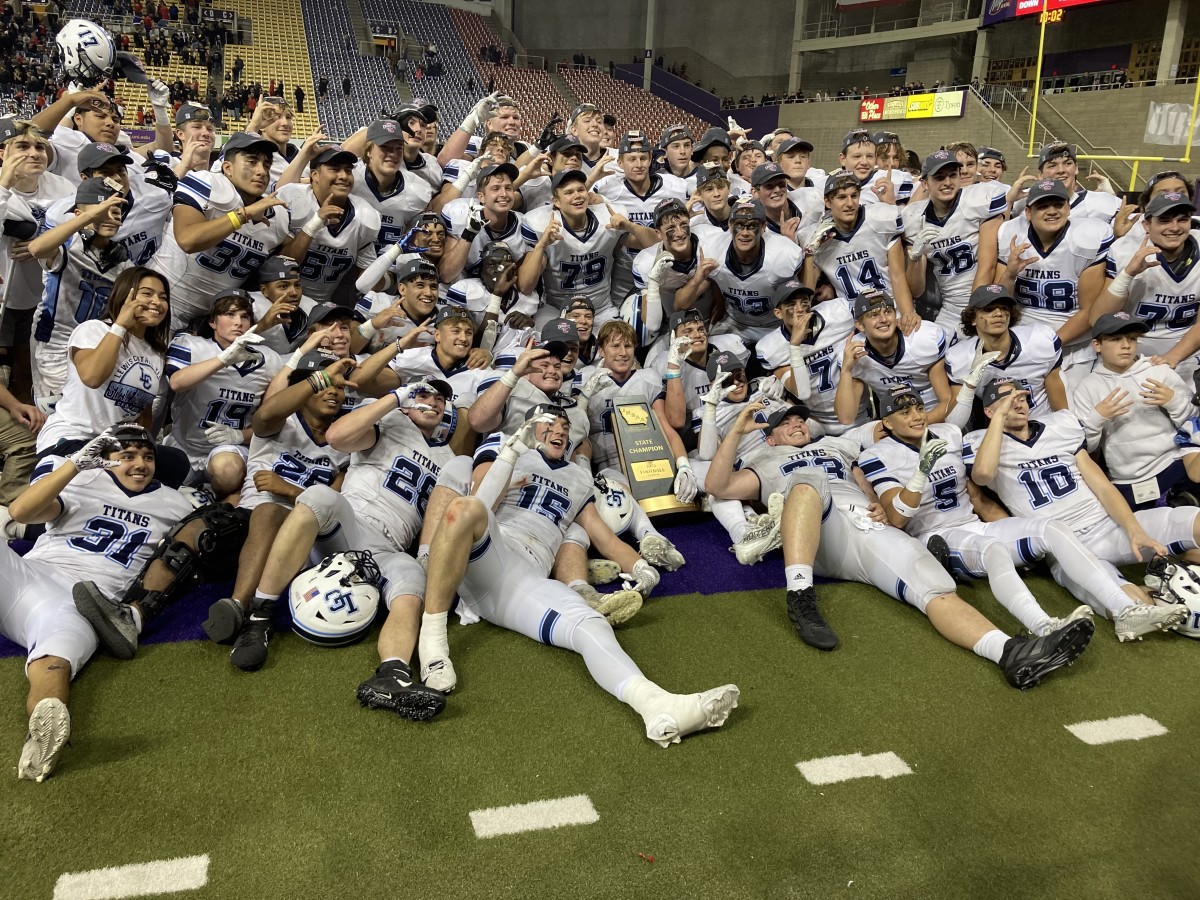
(540, 814)
(832, 769)
(166, 876)
(1118, 728)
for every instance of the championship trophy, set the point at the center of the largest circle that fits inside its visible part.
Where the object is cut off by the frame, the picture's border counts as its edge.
(646, 458)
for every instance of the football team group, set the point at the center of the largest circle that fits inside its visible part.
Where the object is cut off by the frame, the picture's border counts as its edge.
(383, 372)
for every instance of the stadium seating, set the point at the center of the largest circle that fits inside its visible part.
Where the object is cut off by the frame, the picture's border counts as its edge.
(633, 107)
(131, 95)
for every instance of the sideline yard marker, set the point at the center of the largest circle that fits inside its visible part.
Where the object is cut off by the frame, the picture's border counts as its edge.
(1118, 728)
(832, 769)
(540, 814)
(165, 876)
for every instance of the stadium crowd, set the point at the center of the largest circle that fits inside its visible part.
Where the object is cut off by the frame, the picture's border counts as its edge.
(401, 354)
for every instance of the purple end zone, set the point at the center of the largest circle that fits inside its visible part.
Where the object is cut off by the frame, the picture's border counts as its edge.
(710, 569)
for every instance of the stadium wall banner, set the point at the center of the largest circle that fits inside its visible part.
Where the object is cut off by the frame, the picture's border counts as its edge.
(942, 105)
(1167, 123)
(217, 15)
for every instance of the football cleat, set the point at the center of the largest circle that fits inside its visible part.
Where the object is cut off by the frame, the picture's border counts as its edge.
(759, 540)
(683, 714)
(1026, 662)
(439, 674)
(809, 623)
(250, 649)
(1083, 611)
(658, 551)
(49, 731)
(225, 619)
(392, 688)
(602, 571)
(617, 607)
(939, 550)
(112, 620)
(1134, 621)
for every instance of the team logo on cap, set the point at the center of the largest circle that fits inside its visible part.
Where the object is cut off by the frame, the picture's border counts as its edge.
(1173, 196)
(107, 148)
(1120, 315)
(940, 155)
(771, 167)
(565, 327)
(1046, 184)
(389, 127)
(993, 289)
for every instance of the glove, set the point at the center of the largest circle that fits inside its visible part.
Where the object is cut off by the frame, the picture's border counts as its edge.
(523, 439)
(771, 388)
(471, 172)
(717, 391)
(600, 378)
(823, 233)
(549, 134)
(686, 486)
(644, 578)
(981, 361)
(927, 236)
(406, 244)
(159, 93)
(91, 455)
(406, 395)
(474, 221)
(662, 262)
(478, 112)
(241, 350)
(679, 350)
(931, 451)
(223, 434)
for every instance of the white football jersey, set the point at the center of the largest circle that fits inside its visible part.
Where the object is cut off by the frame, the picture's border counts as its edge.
(728, 411)
(1039, 477)
(639, 208)
(75, 289)
(397, 208)
(671, 281)
(1047, 288)
(281, 337)
(945, 502)
(228, 397)
(84, 412)
(390, 482)
(954, 253)
(747, 289)
(471, 293)
(902, 184)
(454, 216)
(694, 376)
(580, 264)
(22, 284)
(835, 455)
(858, 259)
(334, 251)
(831, 324)
(105, 533)
(197, 277)
(534, 517)
(411, 365)
(1164, 297)
(645, 383)
(525, 396)
(915, 355)
(1034, 353)
(295, 456)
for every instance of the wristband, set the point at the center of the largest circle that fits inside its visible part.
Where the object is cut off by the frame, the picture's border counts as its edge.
(966, 393)
(672, 375)
(494, 305)
(509, 379)
(315, 383)
(469, 235)
(119, 330)
(294, 359)
(234, 220)
(683, 463)
(903, 508)
(313, 225)
(795, 356)
(367, 329)
(1121, 284)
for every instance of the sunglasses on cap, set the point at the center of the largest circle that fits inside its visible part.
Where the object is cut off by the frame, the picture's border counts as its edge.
(275, 101)
(858, 137)
(1163, 176)
(582, 109)
(199, 113)
(887, 137)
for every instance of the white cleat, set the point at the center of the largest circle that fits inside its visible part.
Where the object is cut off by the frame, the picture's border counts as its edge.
(659, 552)
(602, 571)
(49, 731)
(439, 674)
(1133, 622)
(617, 607)
(759, 540)
(1083, 611)
(684, 714)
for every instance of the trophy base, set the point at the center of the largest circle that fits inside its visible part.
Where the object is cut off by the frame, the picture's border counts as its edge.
(665, 505)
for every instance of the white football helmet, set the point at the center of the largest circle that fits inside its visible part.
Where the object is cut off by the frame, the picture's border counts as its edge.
(334, 603)
(87, 52)
(1174, 583)
(614, 503)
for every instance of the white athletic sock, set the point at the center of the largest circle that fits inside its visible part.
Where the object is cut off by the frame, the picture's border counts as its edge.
(1090, 579)
(388, 659)
(991, 645)
(262, 597)
(1010, 590)
(576, 584)
(798, 577)
(732, 518)
(609, 665)
(423, 550)
(137, 617)
(432, 642)
(642, 695)
(639, 523)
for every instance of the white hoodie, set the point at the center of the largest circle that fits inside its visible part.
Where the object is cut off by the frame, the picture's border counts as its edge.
(1140, 443)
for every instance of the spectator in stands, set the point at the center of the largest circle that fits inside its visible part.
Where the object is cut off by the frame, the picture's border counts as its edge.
(346, 86)
(299, 93)
(322, 88)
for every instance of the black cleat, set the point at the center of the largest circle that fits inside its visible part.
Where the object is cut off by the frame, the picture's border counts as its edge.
(111, 619)
(1026, 662)
(250, 649)
(225, 619)
(810, 624)
(392, 688)
(939, 550)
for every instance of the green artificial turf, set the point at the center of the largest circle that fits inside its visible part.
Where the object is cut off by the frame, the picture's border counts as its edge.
(295, 792)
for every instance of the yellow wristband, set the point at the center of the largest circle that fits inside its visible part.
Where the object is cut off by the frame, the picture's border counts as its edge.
(234, 220)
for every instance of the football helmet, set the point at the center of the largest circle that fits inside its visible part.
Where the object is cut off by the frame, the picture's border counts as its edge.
(614, 503)
(87, 52)
(1172, 582)
(334, 603)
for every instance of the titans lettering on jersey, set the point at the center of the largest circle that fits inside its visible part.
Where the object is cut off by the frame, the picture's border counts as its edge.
(945, 503)
(776, 467)
(747, 289)
(579, 263)
(1164, 296)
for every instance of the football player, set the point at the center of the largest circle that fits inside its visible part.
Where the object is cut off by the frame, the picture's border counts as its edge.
(676, 143)
(473, 224)
(1058, 161)
(768, 185)
(669, 275)
(387, 150)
